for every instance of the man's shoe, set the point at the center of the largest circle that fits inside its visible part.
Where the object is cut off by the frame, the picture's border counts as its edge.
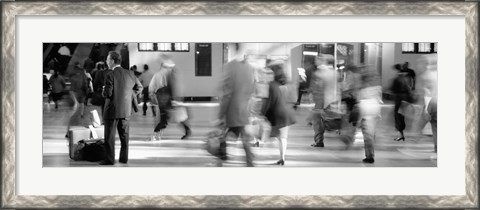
(104, 162)
(156, 136)
(318, 145)
(222, 157)
(188, 133)
(368, 160)
(123, 161)
(153, 137)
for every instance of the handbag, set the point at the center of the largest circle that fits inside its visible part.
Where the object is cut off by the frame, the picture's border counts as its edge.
(332, 117)
(90, 149)
(406, 109)
(153, 99)
(94, 150)
(214, 138)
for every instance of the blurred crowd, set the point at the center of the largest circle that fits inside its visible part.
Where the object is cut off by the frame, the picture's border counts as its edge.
(254, 102)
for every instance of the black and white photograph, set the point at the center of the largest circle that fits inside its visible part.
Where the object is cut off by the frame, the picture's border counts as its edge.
(219, 104)
(240, 104)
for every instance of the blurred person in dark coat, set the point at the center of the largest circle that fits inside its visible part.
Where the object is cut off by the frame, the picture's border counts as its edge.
(46, 86)
(78, 93)
(121, 88)
(238, 87)
(79, 87)
(89, 65)
(305, 76)
(410, 74)
(98, 82)
(58, 86)
(145, 78)
(275, 109)
(402, 92)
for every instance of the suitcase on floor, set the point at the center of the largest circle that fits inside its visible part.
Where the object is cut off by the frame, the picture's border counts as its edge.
(77, 133)
(90, 150)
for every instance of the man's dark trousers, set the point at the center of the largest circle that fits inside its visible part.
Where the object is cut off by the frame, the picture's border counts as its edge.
(111, 126)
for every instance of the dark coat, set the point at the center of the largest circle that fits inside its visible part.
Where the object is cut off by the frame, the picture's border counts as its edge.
(275, 108)
(79, 83)
(401, 85)
(99, 80)
(121, 88)
(238, 86)
(98, 83)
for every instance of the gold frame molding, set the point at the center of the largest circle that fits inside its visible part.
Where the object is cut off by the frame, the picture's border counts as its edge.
(11, 9)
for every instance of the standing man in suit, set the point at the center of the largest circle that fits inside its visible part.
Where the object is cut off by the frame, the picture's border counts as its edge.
(121, 88)
(238, 85)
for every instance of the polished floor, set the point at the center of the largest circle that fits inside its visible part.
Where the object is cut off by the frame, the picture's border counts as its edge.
(416, 151)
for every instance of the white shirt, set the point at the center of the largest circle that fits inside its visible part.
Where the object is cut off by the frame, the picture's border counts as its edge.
(116, 65)
(159, 80)
(369, 101)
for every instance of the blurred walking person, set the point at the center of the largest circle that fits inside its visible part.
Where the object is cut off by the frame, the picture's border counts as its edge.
(429, 85)
(79, 88)
(323, 86)
(98, 83)
(100, 65)
(350, 86)
(46, 85)
(78, 94)
(369, 98)
(47, 89)
(163, 87)
(121, 88)
(237, 88)
(90, 87)
(89, 65)
(63, 57)
(402, 92)
(410, 74)
(275, 109)
(305, 76)
(58, 86)
(145, 78)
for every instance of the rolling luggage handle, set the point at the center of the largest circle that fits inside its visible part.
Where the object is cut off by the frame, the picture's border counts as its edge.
(95, 119)
(93, 131)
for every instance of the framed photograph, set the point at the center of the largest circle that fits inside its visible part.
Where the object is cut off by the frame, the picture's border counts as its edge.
(372, 47)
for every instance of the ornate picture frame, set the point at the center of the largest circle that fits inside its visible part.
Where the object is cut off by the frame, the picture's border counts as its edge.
(11, 10)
